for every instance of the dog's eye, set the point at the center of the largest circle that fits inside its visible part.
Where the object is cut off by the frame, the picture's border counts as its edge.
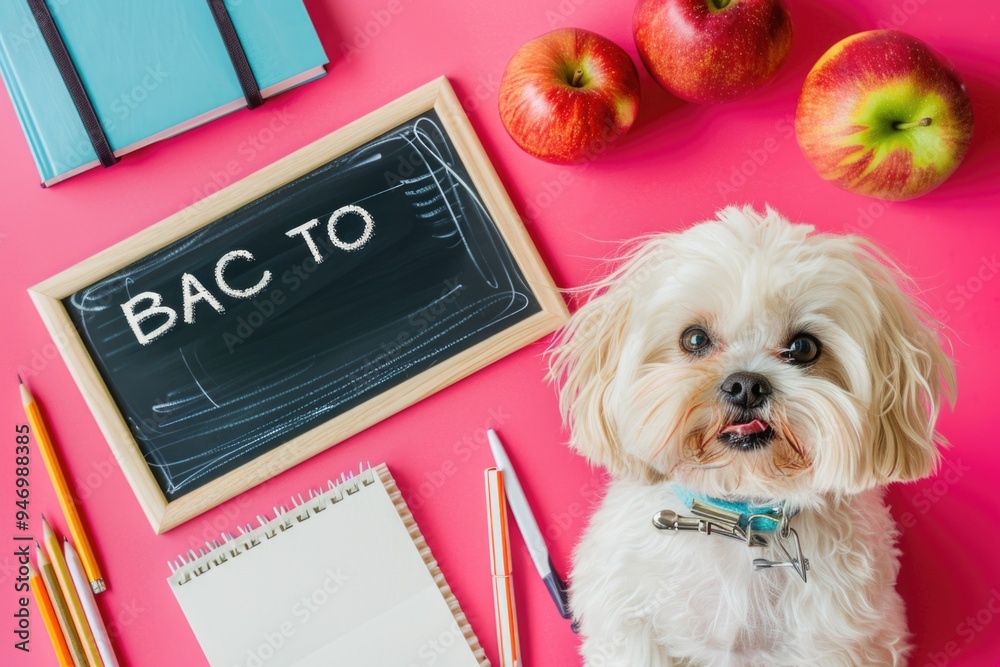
(695, 340)
(804, 349)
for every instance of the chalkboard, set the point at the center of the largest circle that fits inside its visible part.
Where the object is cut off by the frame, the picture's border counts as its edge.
(309, 310)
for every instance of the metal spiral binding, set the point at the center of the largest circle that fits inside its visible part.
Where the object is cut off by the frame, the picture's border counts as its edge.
(229, 546)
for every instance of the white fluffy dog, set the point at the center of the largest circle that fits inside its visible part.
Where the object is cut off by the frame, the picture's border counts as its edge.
(749, 363)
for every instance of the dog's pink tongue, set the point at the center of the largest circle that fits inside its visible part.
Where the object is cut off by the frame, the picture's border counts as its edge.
(756, 426)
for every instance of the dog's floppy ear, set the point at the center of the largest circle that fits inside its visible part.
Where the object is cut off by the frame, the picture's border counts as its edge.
(910, 373)
(586, 354)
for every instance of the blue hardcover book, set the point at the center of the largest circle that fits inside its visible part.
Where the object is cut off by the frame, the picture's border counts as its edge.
(151, 68)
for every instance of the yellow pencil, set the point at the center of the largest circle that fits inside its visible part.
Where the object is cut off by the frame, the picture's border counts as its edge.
(52, 464)
(59, 605)
(48, 615)
(65, 581)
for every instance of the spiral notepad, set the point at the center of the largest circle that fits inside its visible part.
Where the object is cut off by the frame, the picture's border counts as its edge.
(344, 577)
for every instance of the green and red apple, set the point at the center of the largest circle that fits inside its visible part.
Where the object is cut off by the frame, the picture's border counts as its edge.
(567, 94)
(711, 51)
(883, 115)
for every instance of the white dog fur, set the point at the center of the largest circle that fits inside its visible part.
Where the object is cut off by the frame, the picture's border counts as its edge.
(857, 418)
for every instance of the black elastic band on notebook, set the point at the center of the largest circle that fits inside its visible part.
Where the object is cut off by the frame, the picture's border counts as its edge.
(236, 53)
(84, 107)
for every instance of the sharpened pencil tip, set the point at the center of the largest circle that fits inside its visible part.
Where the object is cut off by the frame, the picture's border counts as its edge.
(19, 380)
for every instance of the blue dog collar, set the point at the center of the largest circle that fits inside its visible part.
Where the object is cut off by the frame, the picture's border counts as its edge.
(747, 516)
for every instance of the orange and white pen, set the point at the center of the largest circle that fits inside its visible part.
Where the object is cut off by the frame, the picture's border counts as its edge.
(503, 588)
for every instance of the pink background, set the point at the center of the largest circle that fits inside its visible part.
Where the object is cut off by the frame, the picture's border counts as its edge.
(667, 173)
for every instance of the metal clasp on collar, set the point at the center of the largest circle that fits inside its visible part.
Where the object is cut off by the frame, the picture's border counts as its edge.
(719, 521)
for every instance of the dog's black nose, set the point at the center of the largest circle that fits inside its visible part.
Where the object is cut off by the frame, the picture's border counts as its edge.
(746, 390)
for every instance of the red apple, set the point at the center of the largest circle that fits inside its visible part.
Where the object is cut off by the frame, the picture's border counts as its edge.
(567, 94)
(711, 51)
(883, 115)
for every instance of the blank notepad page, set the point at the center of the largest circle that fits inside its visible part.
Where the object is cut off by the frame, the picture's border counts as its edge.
(344, 578)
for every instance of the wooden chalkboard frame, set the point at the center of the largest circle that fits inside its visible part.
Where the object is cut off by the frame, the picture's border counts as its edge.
(163, 514)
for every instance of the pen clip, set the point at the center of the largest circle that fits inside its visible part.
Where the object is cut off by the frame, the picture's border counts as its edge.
(558, 590)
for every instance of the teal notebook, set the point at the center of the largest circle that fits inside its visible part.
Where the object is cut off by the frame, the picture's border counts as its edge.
(152, 69)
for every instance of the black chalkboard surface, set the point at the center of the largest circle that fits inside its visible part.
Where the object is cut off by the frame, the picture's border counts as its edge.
(334, 288)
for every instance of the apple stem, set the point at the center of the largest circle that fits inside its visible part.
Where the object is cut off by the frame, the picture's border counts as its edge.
(720, 4)
(577, 76)
(923, 122)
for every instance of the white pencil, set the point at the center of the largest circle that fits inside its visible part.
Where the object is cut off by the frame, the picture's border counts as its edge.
(90, 610)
